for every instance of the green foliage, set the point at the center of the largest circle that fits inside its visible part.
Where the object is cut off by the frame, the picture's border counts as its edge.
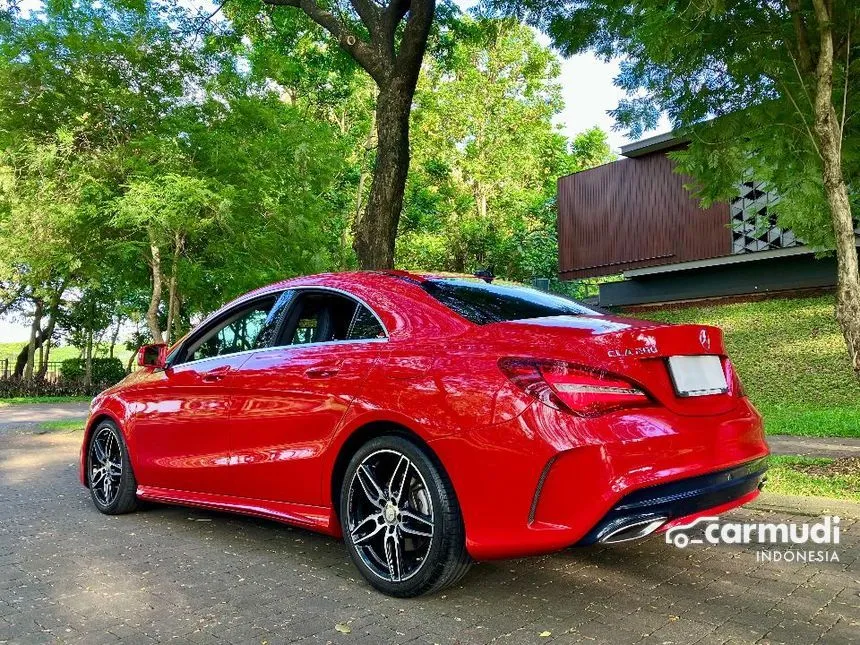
(486, 155)
(791, 358)
(104, 370)
(138, 141)
(738, 60)
(786, 476)
(122, 136)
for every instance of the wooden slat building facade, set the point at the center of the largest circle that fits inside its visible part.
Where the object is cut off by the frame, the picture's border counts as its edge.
(634, 213)
(634, 217)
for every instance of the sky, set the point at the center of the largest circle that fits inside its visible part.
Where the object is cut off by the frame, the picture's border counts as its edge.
(588, 93)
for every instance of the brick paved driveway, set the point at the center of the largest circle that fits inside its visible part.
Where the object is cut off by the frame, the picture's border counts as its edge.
(68, 573)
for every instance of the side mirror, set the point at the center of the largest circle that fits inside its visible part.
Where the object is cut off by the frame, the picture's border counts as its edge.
(152, 356)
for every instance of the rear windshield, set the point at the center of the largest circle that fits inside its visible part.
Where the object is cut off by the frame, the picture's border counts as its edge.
(483, 303)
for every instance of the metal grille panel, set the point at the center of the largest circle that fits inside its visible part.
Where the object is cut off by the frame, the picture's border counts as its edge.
(754, 225)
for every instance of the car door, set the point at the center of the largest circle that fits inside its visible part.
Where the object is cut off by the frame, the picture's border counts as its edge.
(183, 438)
(290, 398)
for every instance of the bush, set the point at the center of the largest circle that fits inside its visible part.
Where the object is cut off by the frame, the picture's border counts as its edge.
(105, 370)
(11, 388)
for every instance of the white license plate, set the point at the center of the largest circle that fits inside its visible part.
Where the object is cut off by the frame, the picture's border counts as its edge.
(697, 375)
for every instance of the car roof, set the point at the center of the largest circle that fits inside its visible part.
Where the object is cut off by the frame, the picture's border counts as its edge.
(370, 275)
(394, 295)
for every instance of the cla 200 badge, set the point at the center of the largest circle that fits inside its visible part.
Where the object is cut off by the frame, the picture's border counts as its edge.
(634, 351)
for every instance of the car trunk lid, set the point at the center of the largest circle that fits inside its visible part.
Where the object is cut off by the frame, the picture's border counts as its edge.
(639, 351)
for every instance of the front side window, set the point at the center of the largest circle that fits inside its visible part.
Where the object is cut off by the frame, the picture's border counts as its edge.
(321, 317)
(483, 303)
(239, 332)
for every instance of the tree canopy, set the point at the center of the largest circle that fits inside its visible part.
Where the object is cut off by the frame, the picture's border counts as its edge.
(156, 161)
(763, 89)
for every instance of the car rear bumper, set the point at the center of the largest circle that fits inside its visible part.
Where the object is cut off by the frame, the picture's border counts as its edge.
(547, 480)
(655, 506)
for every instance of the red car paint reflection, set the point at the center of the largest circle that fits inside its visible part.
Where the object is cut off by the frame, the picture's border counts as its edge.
(545, 420)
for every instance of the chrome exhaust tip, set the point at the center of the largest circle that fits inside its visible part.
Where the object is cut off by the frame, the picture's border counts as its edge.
(635, 530)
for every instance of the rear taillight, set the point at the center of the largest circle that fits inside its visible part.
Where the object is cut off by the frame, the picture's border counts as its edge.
(573, 388)
(735, 380)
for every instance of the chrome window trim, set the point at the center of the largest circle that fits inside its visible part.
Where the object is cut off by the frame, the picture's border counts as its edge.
(266, 350)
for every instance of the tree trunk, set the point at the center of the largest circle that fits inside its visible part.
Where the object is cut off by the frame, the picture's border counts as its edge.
(828, 135)
(21, 361)
(481, 201)
(171, 288)
(392, 56)
(88, 348)
(177, 319)
(43, 370)
(48, 332)
(376, 231)
(155, 299)
(115, 336)
(88, 371)
(35, 333)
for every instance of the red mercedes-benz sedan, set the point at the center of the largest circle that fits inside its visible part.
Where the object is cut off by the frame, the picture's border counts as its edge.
(431, 420)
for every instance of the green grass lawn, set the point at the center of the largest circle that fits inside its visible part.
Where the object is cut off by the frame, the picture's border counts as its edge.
(792, 360)
(19, 400)
(835, 478)
(62, 426)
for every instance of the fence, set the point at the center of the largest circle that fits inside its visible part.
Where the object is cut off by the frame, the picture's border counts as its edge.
(51, 369)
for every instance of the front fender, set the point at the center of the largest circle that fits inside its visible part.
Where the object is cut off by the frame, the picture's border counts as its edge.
(113, 409)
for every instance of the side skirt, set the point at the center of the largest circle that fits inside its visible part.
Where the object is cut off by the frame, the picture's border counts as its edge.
(315, 518)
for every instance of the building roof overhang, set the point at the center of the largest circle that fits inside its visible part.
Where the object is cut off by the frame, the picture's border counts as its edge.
(739, 258)
(653, 144)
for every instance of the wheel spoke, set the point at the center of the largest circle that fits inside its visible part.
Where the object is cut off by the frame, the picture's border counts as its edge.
(371, 489)
(111, 444)
(97, 476)
(99, 450)
(105, 466)
(393, 554)
(415, 524)
(367, 528)
(398, 479)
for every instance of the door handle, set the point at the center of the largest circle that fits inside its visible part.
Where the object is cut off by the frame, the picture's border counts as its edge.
(323, 371)
(216, 375)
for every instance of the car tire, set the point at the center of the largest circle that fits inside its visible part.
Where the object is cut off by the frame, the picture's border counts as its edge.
(111, 481)
(394, 494)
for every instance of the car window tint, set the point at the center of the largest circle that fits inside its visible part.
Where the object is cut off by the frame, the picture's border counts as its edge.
(322, 317)
(273, 321)
(483, 303)
(364, 325)
(238, 333)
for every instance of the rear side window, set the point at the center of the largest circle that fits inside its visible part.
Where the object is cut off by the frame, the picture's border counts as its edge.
(483, 303)
(364, 325)
(324, 317)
